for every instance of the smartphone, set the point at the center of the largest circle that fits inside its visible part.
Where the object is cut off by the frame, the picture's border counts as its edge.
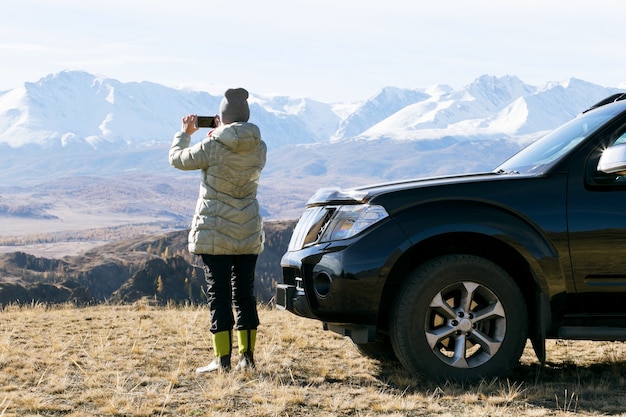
(205, 121)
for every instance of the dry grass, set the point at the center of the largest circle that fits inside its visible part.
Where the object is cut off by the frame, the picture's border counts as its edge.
(139, 360)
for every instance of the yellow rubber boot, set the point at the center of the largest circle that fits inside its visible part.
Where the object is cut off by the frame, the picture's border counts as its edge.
(222, 345)
(247, 340)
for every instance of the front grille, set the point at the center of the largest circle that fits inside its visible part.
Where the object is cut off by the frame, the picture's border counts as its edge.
(310, 227)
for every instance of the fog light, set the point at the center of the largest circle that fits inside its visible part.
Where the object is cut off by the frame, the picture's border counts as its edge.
(322, 284)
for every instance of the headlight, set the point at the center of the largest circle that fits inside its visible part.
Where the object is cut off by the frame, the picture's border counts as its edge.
(349, 220)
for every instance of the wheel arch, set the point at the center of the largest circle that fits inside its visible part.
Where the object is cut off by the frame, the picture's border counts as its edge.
(469, 243)
(519, 249)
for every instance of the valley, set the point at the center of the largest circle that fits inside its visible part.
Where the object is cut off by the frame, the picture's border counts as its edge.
(86, 188)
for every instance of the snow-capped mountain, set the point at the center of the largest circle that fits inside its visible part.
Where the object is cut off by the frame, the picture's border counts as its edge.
(490, 106)
(73, 108)
(378, 108)
(74, 124)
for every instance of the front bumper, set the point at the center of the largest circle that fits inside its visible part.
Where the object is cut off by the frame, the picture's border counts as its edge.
(341, 282)
(287, 299)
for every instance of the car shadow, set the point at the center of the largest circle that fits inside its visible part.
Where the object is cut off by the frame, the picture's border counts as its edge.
(597, 388)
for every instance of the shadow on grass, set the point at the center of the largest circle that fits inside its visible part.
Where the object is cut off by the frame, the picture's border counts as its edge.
(598, 388)
(594, 388)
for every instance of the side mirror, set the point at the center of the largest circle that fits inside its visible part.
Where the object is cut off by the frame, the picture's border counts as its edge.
(613, 160)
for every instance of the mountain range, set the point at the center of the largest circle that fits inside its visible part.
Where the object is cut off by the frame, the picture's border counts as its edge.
(80, 148)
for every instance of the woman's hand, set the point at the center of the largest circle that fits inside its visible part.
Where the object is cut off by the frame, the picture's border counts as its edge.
(189, 124)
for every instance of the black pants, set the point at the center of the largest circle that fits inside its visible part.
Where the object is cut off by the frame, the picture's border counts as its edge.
(230, 280)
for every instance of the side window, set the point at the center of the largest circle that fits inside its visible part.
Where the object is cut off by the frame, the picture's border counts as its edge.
(620, 140)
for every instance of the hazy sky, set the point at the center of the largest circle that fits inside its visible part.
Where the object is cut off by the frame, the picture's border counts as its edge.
(329, 50)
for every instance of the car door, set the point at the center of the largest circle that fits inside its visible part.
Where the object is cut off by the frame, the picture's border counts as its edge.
(596, 207)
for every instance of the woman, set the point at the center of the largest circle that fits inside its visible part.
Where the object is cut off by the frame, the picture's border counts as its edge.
(227, 229)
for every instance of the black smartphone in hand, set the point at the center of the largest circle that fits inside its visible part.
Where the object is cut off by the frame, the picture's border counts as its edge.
(205, 121)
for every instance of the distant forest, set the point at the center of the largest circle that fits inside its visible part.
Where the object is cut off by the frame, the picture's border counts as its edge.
(154, 266)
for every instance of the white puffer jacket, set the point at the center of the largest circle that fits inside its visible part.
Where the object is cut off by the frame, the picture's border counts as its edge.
(227, 220)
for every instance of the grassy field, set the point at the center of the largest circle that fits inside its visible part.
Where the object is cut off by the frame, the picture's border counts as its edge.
(140, 360)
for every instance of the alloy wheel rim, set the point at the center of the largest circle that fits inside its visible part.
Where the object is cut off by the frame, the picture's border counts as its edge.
(465, 325)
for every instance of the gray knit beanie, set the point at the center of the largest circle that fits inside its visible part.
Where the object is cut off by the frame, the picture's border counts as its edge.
(234, 106)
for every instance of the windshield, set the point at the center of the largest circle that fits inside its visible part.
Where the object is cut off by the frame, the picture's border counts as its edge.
(541, 155)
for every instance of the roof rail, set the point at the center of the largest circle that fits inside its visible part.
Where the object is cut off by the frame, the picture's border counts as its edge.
(610, 99)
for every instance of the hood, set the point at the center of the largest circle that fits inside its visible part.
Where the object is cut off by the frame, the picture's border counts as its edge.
(365, 193)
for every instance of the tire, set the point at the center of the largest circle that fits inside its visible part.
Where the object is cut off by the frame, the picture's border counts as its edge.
(459, 318)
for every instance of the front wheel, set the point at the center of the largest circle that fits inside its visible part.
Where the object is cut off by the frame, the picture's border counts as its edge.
(459, 317)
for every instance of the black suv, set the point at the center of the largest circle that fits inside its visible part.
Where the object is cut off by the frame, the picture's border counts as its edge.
(452, 275)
